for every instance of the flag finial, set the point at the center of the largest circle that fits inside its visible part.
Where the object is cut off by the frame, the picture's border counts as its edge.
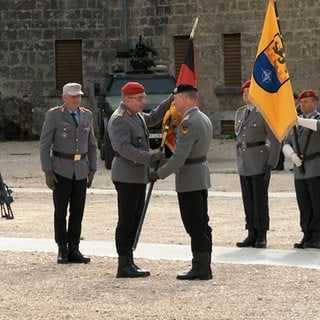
(194, 28)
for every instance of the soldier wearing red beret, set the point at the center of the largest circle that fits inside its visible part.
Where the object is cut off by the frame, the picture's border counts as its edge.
(306, 170)
(130, 167)
(255, 159)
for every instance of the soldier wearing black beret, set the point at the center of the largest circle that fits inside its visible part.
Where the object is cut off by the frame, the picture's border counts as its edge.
(189, 163)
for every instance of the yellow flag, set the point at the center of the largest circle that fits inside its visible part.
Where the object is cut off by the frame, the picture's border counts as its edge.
(270, 88)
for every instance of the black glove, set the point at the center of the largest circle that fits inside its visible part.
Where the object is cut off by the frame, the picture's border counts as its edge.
(158, 156)
(267, 174)
(50, 180)
(153, 176)
(90, 178)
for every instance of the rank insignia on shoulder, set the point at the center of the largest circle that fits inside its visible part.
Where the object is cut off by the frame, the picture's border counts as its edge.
(184, 129)
(120, 112)
(83, 110)
(55, 108)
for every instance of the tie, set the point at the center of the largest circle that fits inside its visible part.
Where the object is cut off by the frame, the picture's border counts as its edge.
(74, 116)
(247, 113)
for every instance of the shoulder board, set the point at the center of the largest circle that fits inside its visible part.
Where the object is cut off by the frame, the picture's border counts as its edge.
(57, 108)
(83, 110)
(316, 116)
(241, 108)
(187, 117)
(120, 112)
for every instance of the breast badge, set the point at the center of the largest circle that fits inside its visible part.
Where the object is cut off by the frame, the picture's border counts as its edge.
(184, 129)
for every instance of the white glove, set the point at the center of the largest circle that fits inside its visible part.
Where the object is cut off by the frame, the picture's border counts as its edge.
(296, 160)
(289, 152)
(308, 123)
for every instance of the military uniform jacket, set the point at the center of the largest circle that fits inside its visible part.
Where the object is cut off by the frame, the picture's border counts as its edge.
(130, 140)
(194, 135)
(311, 165)
(60, 133)
(254, 160)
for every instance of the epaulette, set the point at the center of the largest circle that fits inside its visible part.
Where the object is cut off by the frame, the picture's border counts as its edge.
(83, 110)
(187, 117)
(243, 107)
(60, 108)
(120, 112)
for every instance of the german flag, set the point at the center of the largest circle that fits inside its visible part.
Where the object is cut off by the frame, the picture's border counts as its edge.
(188, 75)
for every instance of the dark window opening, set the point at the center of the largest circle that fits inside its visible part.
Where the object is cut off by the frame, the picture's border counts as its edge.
(68, 54)
(227, 127)
(232, 60)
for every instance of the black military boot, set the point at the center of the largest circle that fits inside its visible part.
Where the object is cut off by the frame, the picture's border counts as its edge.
(126, 268)
(261, 241)
(62, 254)
(137, 268)
(313, 242)
(300, 245)
(201, 269)
(249, 241)
(75, 256)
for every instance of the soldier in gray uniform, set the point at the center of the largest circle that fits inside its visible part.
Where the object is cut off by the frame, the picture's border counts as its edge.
(129, 170)
(305, 154)
(255, 160)
(68, 154)
(190, 166)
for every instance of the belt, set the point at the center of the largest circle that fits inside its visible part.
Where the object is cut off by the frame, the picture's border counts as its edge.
(196, 160)
(245, 145)
(74, 157)
(311, 156)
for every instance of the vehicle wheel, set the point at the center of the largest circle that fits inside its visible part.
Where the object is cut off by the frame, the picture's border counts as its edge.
(109, 154)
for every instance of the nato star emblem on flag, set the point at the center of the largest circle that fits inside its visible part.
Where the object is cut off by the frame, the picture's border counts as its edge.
(269, 70)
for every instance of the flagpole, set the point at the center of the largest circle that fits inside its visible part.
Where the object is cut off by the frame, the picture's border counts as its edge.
(164, 136)
(295, 132)
(147, 200)
(194, 27)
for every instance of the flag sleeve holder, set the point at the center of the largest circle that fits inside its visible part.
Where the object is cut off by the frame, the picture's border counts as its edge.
(146, 203)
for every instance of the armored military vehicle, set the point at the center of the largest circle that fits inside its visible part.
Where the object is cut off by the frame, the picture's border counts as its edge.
(158, 84)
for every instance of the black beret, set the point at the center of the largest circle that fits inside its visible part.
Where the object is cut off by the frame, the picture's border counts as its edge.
(184, 88)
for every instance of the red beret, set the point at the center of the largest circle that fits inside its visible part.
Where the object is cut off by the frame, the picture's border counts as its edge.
(132, 88)
(245, 85)
(307, 93)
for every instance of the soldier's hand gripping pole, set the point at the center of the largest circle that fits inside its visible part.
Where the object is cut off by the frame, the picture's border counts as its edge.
(144, 211)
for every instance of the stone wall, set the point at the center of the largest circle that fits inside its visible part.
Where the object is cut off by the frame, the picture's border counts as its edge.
(30, 27)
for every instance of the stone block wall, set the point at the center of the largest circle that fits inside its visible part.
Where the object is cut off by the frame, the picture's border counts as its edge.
(28, 29)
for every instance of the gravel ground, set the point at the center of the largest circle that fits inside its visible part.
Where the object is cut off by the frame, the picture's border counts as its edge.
(33, 286)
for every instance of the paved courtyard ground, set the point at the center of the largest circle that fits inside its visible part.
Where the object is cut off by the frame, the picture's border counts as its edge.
(33, 286)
